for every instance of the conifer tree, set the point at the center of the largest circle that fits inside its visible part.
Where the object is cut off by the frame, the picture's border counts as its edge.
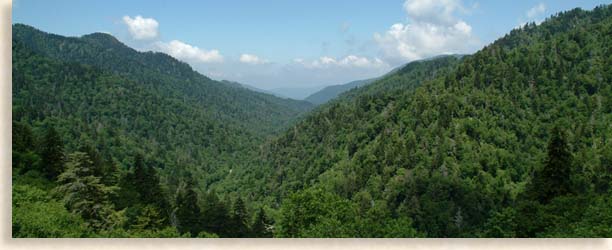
(554, 178)
(260, 226)
(215, 215)
(239, 219)
(141, 188)
(52, 153)
(187, 210)
(83, 193)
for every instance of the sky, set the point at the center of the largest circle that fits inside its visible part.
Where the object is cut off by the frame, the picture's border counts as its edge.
(272, 44)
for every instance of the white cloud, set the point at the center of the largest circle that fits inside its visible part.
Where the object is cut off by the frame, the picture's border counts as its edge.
(532, 15)
(536, 11)
(142, 28)
(188, 52)
(433, 28)
(252, 59)
(433, 11)
(350, 61)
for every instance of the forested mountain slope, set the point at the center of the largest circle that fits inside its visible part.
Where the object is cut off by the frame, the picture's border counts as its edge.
(514, 140)
(93, 100)
(256, 112)
(331, 92)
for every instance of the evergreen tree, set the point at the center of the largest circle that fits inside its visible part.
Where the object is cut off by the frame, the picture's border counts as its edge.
(215, 215)
(52, 153)
(143, 187)
(554, 178)
(239, 220)
(261, 225)
(187, 211)
(83, 193)
(24, 157)
(96, 159)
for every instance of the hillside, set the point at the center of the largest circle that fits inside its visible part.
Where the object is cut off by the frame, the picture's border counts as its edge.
(254, 111)
(512, 141)
(106, 98)
(462, 149)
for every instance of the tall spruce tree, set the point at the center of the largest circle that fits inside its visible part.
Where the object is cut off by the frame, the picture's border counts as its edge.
(140, 189)
(239, 219)
(83, 193)
(187, 211)
(52, 153)
(553, 179)
(261, 225)
(24, 155)
(215, 217)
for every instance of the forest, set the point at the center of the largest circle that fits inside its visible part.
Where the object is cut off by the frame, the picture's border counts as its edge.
(514, 140)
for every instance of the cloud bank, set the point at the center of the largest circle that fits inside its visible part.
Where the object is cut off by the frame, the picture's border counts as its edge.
(142, 28)
(190, 53)
(432, 28)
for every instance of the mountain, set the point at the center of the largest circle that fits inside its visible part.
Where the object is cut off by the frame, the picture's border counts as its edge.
(512, 141)
(331, 92)
(249, 87)
(96, 91)
(297, 93)
(105, 52)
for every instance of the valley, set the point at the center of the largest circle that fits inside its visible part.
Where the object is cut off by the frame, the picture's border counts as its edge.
(514, 140)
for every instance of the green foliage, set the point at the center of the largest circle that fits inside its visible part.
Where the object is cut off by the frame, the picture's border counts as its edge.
(317, 213)
(96, 91)
(554, 178)
(83, 193)
(52, 154)
(261, 226)
(239, 219)
(188, 214)
(453, 146)
(35, 215)
(451, 143)
(215, 215)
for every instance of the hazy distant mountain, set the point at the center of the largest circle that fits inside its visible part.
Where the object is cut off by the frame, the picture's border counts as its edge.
(298, 93)
(249, 87)
(331, 92)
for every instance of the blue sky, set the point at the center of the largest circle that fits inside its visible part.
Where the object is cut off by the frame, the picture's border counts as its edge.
(275, 43)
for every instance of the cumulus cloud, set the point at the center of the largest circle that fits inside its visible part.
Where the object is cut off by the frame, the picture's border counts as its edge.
(348, 61)
(141, 28)
(534, 14)
(188, 52)
(536, 11)
(432, 28)
(252, 59)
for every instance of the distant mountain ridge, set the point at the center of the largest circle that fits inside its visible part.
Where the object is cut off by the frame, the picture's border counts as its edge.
(331, 92)
(296, 93)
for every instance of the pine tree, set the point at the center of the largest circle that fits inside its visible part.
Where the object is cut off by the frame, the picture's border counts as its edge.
(187, 210)
(260, 226)
(554, 178)
(215, 215)
(148, 186)
(239, 220)
(24, 157)
(52, 153)
(83, 193)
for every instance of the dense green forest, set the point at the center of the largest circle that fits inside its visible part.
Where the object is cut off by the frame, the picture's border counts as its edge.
(97, 94)
(512, 141)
